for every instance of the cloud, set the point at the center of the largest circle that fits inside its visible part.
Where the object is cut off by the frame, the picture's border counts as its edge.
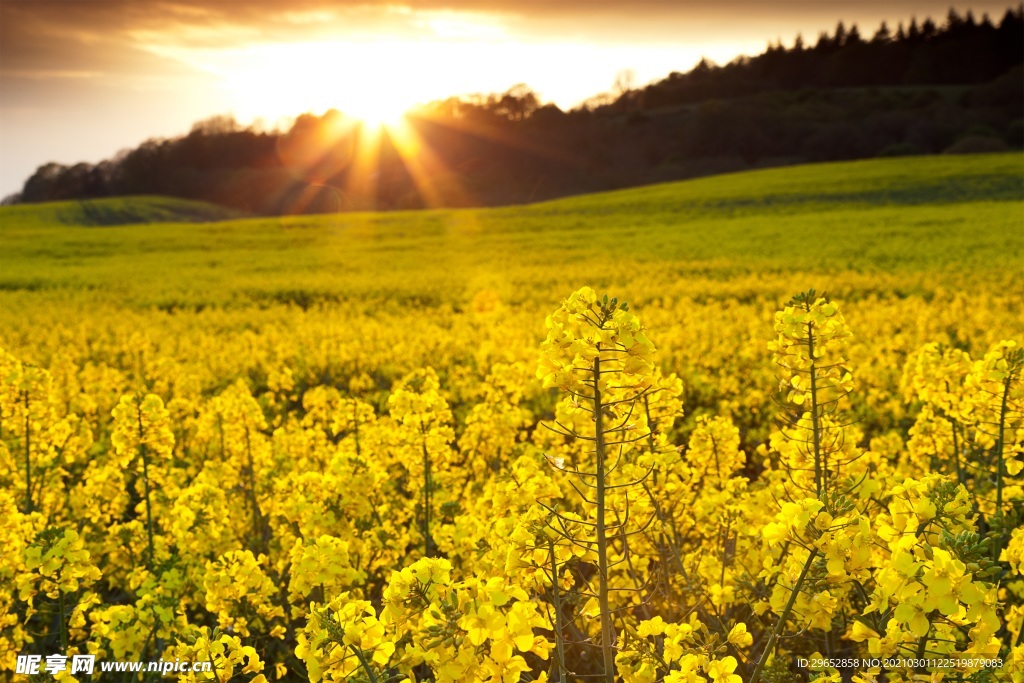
(112, 36)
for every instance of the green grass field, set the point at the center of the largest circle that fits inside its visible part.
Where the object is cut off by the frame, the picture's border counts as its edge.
(117, 211)
(910, 215)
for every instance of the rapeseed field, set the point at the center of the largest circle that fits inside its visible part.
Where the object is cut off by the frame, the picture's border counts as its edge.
(759, 427)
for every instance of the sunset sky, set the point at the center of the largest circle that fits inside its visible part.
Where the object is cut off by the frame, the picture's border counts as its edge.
(82, 79)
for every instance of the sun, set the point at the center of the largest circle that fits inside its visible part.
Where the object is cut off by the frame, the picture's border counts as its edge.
(275, 82)
(376, 111)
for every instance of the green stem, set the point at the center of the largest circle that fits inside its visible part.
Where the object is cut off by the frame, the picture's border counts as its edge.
(607, 632)
(220, 431)
(956, 454)
(559, 645)
(63, 625)
(819, 469)
(922, 649)
(258, 536)
(650, 436)
(213, 667)
(145, 481)
(145, 648)
(28, 454)
(1000, 448)
(1000, 444)
(362, 660)
(776, 632)
(355, 422)
(428, 542)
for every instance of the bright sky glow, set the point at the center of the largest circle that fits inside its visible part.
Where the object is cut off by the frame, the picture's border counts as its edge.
(381, 78)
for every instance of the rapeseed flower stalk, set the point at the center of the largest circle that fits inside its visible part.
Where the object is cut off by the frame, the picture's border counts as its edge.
(344, 641)
(473, 630)
(233, 423)
(322, 567)
(995, 386)
(935, 376)
(23, 411)
(227, 656)
(494, 426)
(142, 431)
(38, 445)
(814, 382)
(422, 413)
(680, 651)
(57, 566)
(542, 558)
(598, 353)
(239, 592)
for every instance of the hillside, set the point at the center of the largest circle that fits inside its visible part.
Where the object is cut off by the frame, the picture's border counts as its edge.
(114, 211)
(894, 215)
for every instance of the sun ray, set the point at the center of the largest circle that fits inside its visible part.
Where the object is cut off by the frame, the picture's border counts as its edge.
(482, 130)
(360, 182)
(435, 183)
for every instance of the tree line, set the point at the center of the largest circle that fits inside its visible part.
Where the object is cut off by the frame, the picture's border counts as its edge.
(918, 88)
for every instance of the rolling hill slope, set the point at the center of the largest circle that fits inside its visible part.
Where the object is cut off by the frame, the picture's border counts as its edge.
(114, 211)
(910, 214)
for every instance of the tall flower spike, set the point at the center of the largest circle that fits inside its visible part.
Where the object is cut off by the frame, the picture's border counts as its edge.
(813, 381)
(584, 329)
(596, 351)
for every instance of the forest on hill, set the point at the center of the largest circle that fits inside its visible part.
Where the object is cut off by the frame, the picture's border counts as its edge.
(955, 86)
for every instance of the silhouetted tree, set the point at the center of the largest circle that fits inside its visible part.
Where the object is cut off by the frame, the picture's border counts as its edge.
(517, 103)
(882, 35)
(840, 38)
